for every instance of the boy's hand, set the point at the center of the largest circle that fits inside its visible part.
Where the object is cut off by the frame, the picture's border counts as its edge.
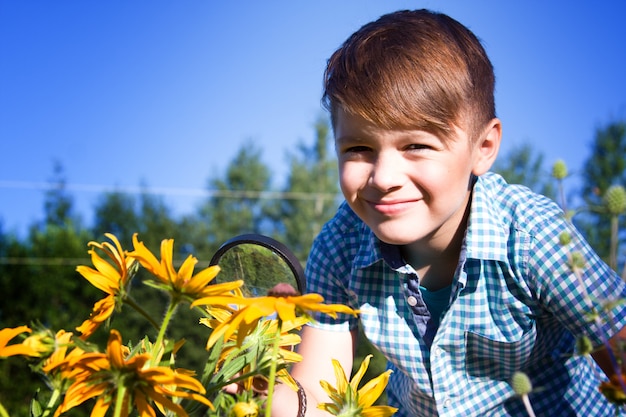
(259, 387)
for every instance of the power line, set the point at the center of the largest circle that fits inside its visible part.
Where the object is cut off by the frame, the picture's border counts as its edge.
(136, 190)
(44, 261)
(71, 261)
(172, 191)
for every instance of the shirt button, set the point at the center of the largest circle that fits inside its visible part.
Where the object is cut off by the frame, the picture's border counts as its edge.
(447, 403)
(411, 300)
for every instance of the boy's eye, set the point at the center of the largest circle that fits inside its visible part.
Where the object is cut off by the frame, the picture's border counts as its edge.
(357, 149)
(418, 146)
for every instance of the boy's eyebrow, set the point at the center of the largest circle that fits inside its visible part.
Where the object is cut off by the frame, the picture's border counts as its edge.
(351, 140)
(409, 134)
(346, 138)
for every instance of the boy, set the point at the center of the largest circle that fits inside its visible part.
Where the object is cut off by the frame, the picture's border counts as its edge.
(459, 278)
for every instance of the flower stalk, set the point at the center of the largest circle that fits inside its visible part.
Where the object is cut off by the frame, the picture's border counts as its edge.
(119, 400)
(159, 343)
(272, 371)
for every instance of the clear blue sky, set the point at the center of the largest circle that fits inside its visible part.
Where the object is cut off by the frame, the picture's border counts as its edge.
(163, 93)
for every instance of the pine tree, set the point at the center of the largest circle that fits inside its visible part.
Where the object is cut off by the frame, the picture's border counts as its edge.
(605, 167)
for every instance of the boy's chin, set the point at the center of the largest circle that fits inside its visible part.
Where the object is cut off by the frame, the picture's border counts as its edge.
(397, 238)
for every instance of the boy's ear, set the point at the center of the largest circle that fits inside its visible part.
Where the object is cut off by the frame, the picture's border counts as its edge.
(487, 147)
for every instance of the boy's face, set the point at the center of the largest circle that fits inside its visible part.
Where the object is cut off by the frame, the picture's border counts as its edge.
(409, 186)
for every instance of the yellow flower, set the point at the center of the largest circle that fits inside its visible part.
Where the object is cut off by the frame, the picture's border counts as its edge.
(45, 342)
(613, 390)
(17, 349)
(63, 351)
(100, 375)
(286, 308)
(261, 340)
(109, 276)
(245, 409)
(181, 282)
(102, 310)
(350, 401)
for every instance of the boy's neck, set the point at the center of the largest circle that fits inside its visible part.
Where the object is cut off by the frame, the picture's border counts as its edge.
(436, 262)
(438, 275)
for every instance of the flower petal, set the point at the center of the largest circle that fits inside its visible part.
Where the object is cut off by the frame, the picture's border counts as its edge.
(340, 375)
(9, 333)
(184, 276)
(143, 407)
(114, 349)
(201, 279)
(100, 408)
(167, 264)
(19, 349)
(378, 411)
(356, 379)
(369, 392)
(147, 259)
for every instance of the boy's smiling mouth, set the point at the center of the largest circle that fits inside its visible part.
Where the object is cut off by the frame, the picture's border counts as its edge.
(391, 207)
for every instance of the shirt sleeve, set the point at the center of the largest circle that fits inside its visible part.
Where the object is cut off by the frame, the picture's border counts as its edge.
(574, 284)
(328, 274)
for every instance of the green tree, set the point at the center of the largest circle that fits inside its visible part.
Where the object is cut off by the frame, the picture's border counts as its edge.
(116, 212)
(156, 221)
(16, 381)
(57, 202)
(605, 167)
(40, 284)
(235, 205)
(311, 193)
(53, 249)
(524, 165)
(124, 214)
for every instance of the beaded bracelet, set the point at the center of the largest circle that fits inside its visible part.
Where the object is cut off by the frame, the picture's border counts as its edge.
(301, 400)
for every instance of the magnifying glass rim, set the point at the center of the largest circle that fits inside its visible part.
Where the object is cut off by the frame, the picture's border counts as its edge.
(267, 242)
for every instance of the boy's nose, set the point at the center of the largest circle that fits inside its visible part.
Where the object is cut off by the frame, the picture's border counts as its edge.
(387, 173)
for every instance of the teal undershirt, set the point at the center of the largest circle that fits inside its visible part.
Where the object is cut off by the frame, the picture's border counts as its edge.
(437, 302)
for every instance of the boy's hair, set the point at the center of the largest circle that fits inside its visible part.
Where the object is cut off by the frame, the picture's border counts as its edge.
(413, 70)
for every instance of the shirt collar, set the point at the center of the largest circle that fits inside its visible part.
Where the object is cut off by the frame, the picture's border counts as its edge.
(486, 236)
(369, 248)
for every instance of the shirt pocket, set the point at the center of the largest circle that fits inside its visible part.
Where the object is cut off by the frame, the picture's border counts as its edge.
(494, 359)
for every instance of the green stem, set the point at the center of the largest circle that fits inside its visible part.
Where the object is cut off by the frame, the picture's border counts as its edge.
(161, 336)
(528, 406)
(119, 401)
(128, 300)
(56, 394)
(273, 365)
(614, 242)
(562, 195)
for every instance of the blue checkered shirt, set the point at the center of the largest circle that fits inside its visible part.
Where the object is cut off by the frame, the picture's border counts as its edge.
(515, 305)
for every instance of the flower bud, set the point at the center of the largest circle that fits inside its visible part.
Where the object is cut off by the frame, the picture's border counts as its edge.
(245, 409)
(559, 170)
(565, 238)
(615, 199)
(583, 345)
(42, 341)
(521, 383)
(577, 261)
